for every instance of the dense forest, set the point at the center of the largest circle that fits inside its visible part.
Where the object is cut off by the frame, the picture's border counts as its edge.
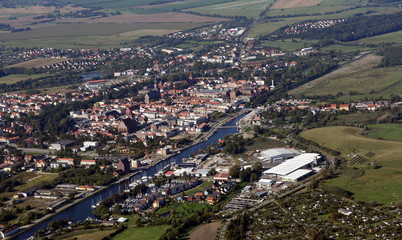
(392, 56)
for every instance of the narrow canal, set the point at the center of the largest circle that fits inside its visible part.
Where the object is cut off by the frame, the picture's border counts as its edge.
(83, 210)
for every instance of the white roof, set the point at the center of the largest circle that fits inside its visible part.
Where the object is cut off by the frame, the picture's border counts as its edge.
(293, 164)
(279, 151)
(265, 181)
(298, 174)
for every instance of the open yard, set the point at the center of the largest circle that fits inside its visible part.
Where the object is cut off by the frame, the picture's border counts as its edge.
(205, 231)
(381, 185)
(142, 233)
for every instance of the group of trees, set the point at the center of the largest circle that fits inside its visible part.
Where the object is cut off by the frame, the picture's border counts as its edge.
(84, 176)
(237, 228)
(392, 56)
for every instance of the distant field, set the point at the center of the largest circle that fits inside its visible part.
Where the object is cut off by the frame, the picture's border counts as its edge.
(102, 35)
(287, 44)
(29, 10)
(174, 6)
(38, 63)
(381, 185)
(385, 131)
(281, 4)
(347, 48)
(148, 233)
(384, 38)
(248, 8)
(169, 17)
(10, 79)
(335, 81)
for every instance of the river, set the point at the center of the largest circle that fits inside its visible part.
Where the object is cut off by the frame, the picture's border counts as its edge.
(82, 210)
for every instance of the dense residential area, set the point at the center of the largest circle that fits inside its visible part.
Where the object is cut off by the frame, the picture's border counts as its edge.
(190, 120)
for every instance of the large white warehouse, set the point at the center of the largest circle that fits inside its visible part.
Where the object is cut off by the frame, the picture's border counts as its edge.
(278, 154)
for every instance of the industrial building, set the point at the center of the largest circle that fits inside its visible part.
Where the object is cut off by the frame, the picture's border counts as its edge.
(278, 154)
(294, 169)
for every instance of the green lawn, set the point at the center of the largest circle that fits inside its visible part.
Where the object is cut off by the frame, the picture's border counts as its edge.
(181, 209)
(381, 185)
(202, 188)
(10, 79)
(142, 233)
(260, 143)
(385, 131)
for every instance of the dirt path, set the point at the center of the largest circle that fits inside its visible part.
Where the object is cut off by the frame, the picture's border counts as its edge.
(364, 62)
(205, 232)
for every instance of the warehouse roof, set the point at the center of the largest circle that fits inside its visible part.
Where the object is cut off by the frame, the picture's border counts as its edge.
(293, 164)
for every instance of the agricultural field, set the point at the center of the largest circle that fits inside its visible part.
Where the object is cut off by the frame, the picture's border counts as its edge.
(385, 131)
(92, 234)
(10, 79)
(282, 4)
(205, 231)
(381, 185)
(83, 35)
(288, 44)
(38, 62)
(248, 8)
(149, 233)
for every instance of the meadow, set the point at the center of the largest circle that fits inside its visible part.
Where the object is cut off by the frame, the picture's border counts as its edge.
(38, 62)
(381, 185)
(394, 37)
(149, 233)
(377, 81)
(10, 79)
(385, 131)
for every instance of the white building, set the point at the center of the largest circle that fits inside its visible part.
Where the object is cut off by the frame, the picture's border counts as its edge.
(278, 154)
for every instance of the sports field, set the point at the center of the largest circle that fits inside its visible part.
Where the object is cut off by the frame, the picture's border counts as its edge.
(381, 185)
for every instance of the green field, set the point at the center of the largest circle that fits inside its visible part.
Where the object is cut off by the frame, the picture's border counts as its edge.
(381, 185)
(81, 35)
(181, 209)
(377, 81)
(395, 37)
(385, 131)
(148, 233)
(10, 79)
(346, 48)
(288, 44)
(248, 8)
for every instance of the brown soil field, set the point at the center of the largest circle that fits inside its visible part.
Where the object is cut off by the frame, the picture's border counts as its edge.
(169, 17)
(37, 10)
(205, 232)
(39, 62)
(363, 63)
(294, 3)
